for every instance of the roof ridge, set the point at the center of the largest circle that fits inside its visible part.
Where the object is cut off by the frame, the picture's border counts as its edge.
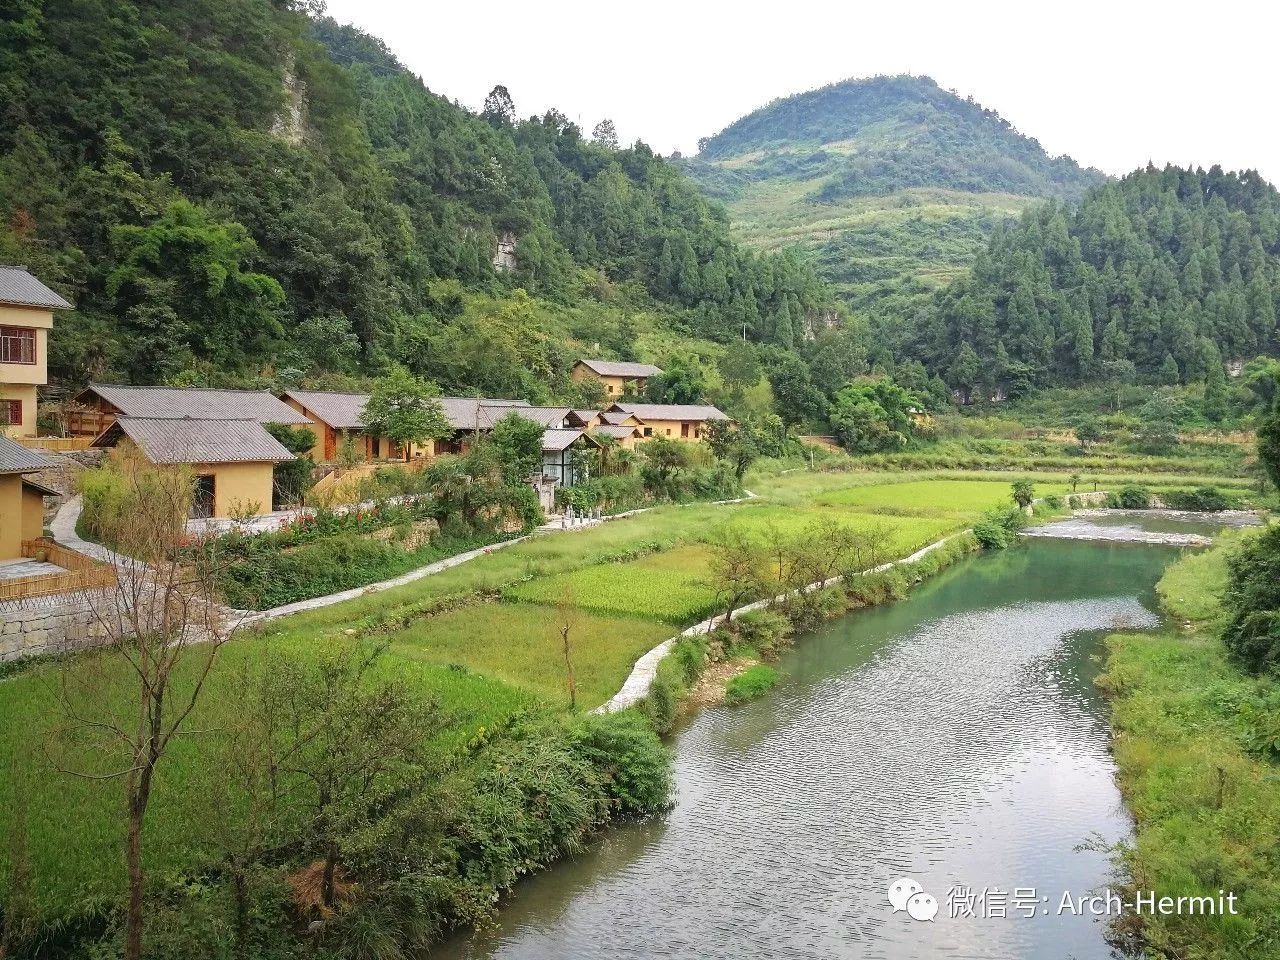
(152, 386)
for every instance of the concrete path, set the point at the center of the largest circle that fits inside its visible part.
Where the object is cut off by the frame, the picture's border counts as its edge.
(63, 528)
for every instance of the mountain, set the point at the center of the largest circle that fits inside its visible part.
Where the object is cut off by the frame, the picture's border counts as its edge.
(1159, 276)
(892, 183)
(231, 191)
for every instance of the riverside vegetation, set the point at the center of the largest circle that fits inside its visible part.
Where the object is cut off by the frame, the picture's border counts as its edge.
(265, 822)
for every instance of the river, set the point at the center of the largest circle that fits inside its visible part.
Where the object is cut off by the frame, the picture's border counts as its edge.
(954, 738)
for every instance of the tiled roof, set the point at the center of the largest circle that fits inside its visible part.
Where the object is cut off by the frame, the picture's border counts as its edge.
(15, 458)
(198, 403)
(587, 416)
(616, 418)
(618, 433)
(671, 411)
(551, 417)
(197, 441)
(555, 440)
(343, 411)
(621, 368)
(20, 288)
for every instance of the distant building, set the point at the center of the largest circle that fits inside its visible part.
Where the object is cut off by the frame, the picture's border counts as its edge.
(26, 317)
(616, 376)
(678, 421)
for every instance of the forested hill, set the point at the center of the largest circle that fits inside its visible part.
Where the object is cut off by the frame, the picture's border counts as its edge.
(229, 190)
(883, 134)
(1161, 275)
(893, 182)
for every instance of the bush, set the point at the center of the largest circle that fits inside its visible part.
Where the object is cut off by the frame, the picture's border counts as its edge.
(761, 630)
(996, 529)
(636, 765)
(753, 682)
(1252, 600)
(1202, 499)
(1053, 502)
(675, 673)
(1133, 497)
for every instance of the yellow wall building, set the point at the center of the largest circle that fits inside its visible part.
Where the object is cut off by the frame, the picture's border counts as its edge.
(675, 421)
(616, 376)
(26, 317)
(21, 500)
(232, 460)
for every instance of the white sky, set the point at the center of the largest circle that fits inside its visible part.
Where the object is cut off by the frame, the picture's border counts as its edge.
(1114, 84)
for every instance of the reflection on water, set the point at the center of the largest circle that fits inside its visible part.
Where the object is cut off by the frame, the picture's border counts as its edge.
(955, 738)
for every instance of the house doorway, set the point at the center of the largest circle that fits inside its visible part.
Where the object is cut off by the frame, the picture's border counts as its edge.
(203, 501)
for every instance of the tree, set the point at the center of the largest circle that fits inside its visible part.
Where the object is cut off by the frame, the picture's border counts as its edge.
(291, 479)
(1269, 445)
(1088, 430)
(185, 289)
(736, 568)
(160, 621)
(1252, 601)
(406, 410)
(681, 382)
(965, 372)
(605, 134)
(1024, 493)
(349, 747)
(736, 444)
(663, 461)
(499, 109)
(568, 615)
(873, 414)
(517, 441)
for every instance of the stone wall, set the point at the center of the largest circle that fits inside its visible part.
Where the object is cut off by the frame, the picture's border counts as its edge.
(45, 626)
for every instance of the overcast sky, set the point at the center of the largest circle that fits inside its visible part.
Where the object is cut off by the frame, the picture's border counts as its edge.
(1113, 84)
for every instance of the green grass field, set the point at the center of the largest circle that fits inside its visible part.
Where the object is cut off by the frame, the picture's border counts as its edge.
(632, 583)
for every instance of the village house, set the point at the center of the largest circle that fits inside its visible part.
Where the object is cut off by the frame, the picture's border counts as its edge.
(561, 455)
(232, 460)
(21, 498)
(676, 421)
(97, 406)
(616, 376)
(26, 317)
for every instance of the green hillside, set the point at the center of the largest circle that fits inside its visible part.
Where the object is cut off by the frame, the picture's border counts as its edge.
(233, 193)
(1159, 277)
(892, 182)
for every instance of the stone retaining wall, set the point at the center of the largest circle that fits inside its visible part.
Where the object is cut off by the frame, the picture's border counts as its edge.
(35, 628)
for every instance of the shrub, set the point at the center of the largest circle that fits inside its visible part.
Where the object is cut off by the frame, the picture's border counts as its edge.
(1203, 499)
(1252, 600)
(1053, 502)
(996, 529)
(762, 630)
(751, 683)
(1073, 503)
(636, 766)
(1133, 497)
(677, 670)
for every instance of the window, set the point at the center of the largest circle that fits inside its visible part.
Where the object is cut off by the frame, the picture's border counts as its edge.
(648, 431)
(684, 430)
(17, 345)
(10, 413)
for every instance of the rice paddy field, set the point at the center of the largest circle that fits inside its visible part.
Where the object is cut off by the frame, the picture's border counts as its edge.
(482, 639)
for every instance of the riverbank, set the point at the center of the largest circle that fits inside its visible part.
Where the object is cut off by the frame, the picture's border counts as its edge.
(1197, 743)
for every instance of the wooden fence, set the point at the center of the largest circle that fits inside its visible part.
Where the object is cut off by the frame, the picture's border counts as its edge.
(56, 443)
(81, 573)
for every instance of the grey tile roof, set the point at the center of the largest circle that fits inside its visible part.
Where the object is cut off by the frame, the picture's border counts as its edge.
(621, 368)
(15, 458)
(197, 441)
(20, 288)
(615, 417)
(618, 433)
(587, 416)
(554, 440)
(343, 411)
(551, 417)
(671, 411)
(198, 403)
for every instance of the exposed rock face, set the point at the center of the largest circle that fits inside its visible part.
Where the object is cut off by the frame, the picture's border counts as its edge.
(816, 323)
(290, 125)
(504, 257)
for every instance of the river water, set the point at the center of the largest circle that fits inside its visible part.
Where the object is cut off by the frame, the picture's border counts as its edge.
(954, 738)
